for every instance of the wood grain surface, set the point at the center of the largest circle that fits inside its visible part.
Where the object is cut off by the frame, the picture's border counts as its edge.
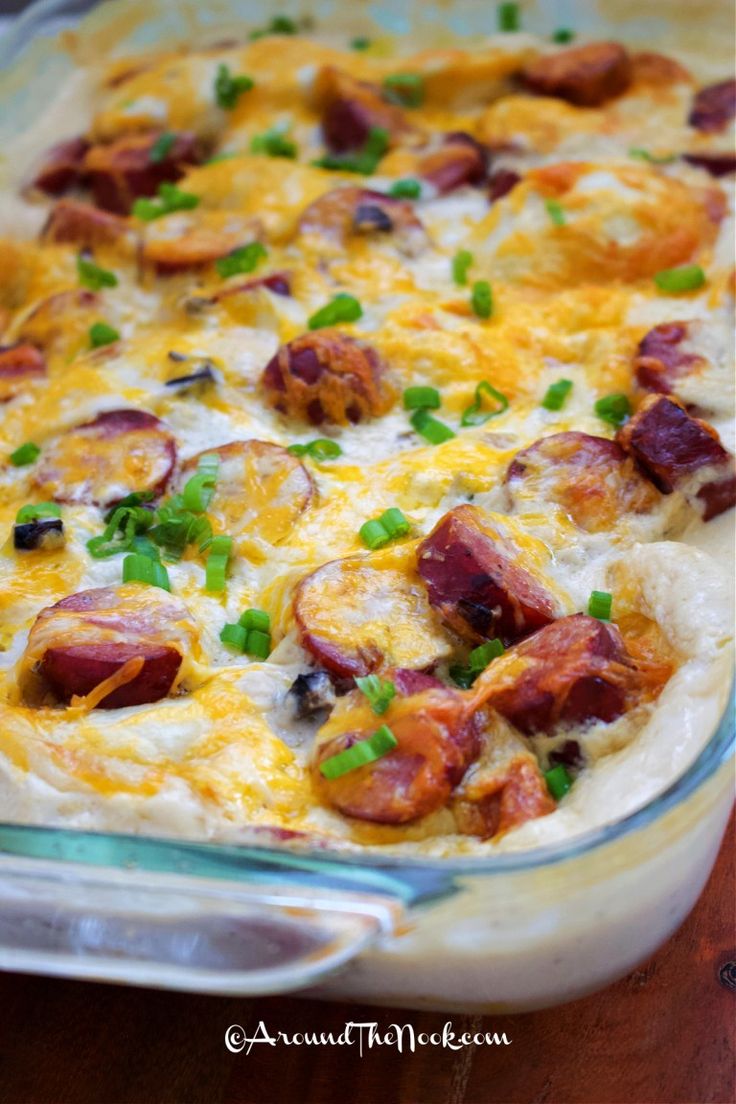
(663, 1035)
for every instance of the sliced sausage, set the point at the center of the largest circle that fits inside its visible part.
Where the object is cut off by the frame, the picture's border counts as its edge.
(351, 109)
(474, 583)
(121, 171)
(681, 453)
(362, 614)
(134, 636)
(59, 325)
(657, 70)
(181, 242)
(19, 364)
(583, 75)
(574, 670)
(74, 223)
(326, 377)
(717, 163)
(436, 739)
(62, 167)
(501, 182)
(503, 788)
(676, 353)
(346, 214)
(591, 478)
(260, 486)
(714, 106)
(460, 161)
(101, 461)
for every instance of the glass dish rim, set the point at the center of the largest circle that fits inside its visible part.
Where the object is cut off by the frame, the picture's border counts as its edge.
(715, 753)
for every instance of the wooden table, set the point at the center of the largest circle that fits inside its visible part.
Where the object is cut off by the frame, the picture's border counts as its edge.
(663, 1035)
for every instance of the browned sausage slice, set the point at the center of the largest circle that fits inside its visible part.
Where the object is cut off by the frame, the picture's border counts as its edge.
(101, 461)
(352, 108)
(679, 452)
(19, 364)
(259, 485)
(714, 106)
(346, 214)
(591, 478)
(327, 377)
(436, 736)
(501, 182)
(474, 584)
(361, 614)
(718, 163)
(675, 353)
(74, 223)
(121, 171)
(575, 670)
(461, 160)
(130, 640)
(62, 166)
(583, 75)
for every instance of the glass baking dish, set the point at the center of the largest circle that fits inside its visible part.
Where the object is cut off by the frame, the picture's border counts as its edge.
(510, 932)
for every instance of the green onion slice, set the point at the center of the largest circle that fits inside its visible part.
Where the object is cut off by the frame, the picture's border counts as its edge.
(124, 524)
(645, 155)
(162, 147)
(243, 259)
(199, 490)
(141, 569)
(92, 276)
(234, 635)
(170, 199)
(508, 17)
(422, 398)
(217, 563)
(433, 430)
(685, 278)
(39, 510)
(360, 43)
(365, 161)
(478, 660)
(562, 35)
(365, 751)
(556, 394)
(614, 409)
(558, 781)
(461, 262)
(394, 522)
(374, 534)
(555, 211)
(24, 455)
(405, 189)
(343, 308)
(322, 448)
(599, 605)
(379, 692)
(229, 88)
(475, 415)
(482, 299)
(100, 334)
(279, 25)
(258, 644)
(273, 143)
(256, 619)
(404, 89)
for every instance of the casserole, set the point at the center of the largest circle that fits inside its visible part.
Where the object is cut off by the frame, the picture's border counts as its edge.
(552, 934)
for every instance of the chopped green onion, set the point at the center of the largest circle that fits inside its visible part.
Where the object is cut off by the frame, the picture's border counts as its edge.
(482, 299)
(508, 17)
(234, 635)
(478, 660)
(177, 527)
(199, 490)
(170, 199)
(555, 211)
(404, 89)
(406, 189)
(364, 751)
(92, 276)
(343, 308)
(685, 278)
(135, 498)
(243, 259)
(360, 43)
(558, 781)
(380, 693)
(364, 161)
(562, 35)
(217, 562)
(256, 619)
(258, 644)
(229, 89)
(421, 398)
(614, 409)
(141, 569)
(461, 262)
(430, 428)
(40, 510)
(279, 25)
(373, 534)
(162, 147)
(101, 334)
(645, 155)
(24, 455)
(394, 522)
(320, 449)
(130, 521)
(599, 605)
(273, 143)
(475, 415)
(556, 394)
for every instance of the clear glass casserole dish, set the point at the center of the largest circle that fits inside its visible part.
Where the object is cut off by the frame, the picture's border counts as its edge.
(511, 932)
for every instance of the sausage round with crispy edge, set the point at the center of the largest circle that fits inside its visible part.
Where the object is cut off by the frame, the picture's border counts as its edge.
(71, 222)
(586, 76)
(101, 461)
(327, 377)
(591, 478)
(461, 160)
(260, 486)
(574, 670)
(716, 163)
(19, 364)
(59, 325)
(61, 167)
(474, 584)
(361, 614)
(675, 353)
(714, 106)
(134, 636)
(119, 172)
(345, 214)
(184, 241)
(351, 109)
(681, 453)
(436, 740)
